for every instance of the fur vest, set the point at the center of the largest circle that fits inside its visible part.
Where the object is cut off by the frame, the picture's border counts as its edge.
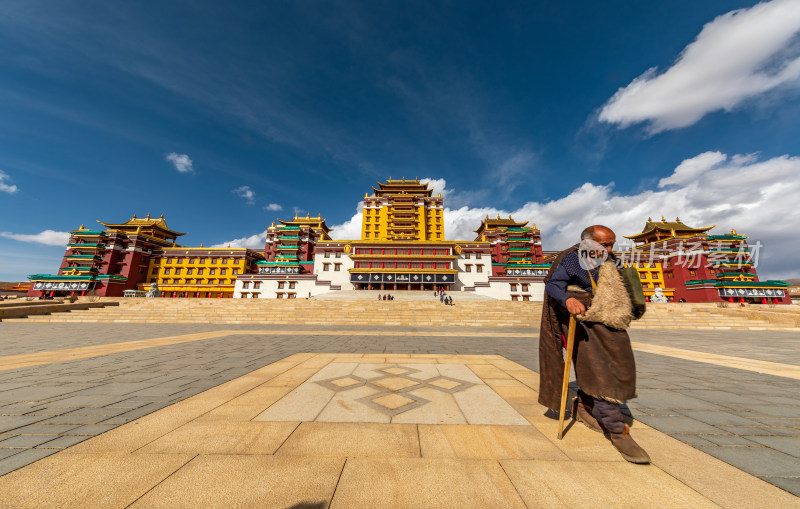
(611, 304)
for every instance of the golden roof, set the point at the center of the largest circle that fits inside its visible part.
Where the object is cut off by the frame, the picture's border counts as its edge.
(672, 228)
(490, 224)
(404, 186)
(147, 222)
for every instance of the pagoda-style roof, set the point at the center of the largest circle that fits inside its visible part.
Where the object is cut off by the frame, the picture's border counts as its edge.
(665, 229)
(412, 187)
(147, 223)
(493, 224)
(316, 223)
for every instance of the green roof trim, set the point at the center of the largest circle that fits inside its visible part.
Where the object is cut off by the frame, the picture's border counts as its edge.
(87, 244)
(726, 237)
(700, 281)
(88, 232)
(290, 227)
(518, 239)
(84, 257)
(518, 229)
(285, 237)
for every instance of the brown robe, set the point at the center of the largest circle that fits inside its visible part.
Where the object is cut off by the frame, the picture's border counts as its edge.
(602, 356)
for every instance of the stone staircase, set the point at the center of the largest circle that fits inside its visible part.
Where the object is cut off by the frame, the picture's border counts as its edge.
(415, 313)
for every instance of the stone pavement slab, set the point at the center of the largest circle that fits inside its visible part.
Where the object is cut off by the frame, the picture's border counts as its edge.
(181, 457)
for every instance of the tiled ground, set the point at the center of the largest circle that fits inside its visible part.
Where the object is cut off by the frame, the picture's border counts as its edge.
(746, 419)
(210, 448)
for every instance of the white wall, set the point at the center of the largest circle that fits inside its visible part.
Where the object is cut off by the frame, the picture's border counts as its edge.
(342, 277)
(464, 278)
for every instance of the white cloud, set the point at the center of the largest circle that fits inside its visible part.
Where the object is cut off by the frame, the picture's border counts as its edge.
(181, 162)
(6, 188)
(256, 241)
(273, 206)
(246, 193)
(350, 229)
(691, 169)
(47, 237)
(438, 186)
(738, 55)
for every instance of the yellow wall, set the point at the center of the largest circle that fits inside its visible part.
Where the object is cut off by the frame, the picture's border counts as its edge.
(651, 276)
(428, 222)
(200, 282)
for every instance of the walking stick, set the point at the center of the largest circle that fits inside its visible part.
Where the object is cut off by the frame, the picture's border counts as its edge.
(565, 384)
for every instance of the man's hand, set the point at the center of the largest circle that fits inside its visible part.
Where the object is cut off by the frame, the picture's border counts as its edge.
(574, 306)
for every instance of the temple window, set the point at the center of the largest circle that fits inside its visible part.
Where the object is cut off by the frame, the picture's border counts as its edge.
(291, 285)
(224, 261)
(337, 267)
(325, 266)
(692, 272)
(524, 287)
(279, 295)
(642, 275)
(514, 298)
(235, 271)
(338, 255)
(466, 255)
(191, 261)
(222, 272)
(327, 254)
(167, 271)
(468, 268)
(256, 285)
(189, 272)
(478, 256)
(526, 298)
(200, 272)
(479, 268)
(211, 271)
(178, 271)
(280, 284)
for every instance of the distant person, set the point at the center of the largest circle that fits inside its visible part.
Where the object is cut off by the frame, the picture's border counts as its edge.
(441, 298)
(379, 296)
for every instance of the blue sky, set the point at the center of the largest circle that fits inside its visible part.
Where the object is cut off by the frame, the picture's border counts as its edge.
(224, 117)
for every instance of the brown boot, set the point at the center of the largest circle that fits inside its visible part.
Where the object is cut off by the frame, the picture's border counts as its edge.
(583, 413)
(628, 448)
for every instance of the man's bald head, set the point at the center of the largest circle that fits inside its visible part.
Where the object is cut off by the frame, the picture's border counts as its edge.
(603, 235)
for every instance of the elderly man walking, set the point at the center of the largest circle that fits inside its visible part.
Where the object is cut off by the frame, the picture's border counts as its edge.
(584, 281)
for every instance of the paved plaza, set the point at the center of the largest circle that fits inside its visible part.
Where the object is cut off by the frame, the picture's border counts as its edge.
(278, 416)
